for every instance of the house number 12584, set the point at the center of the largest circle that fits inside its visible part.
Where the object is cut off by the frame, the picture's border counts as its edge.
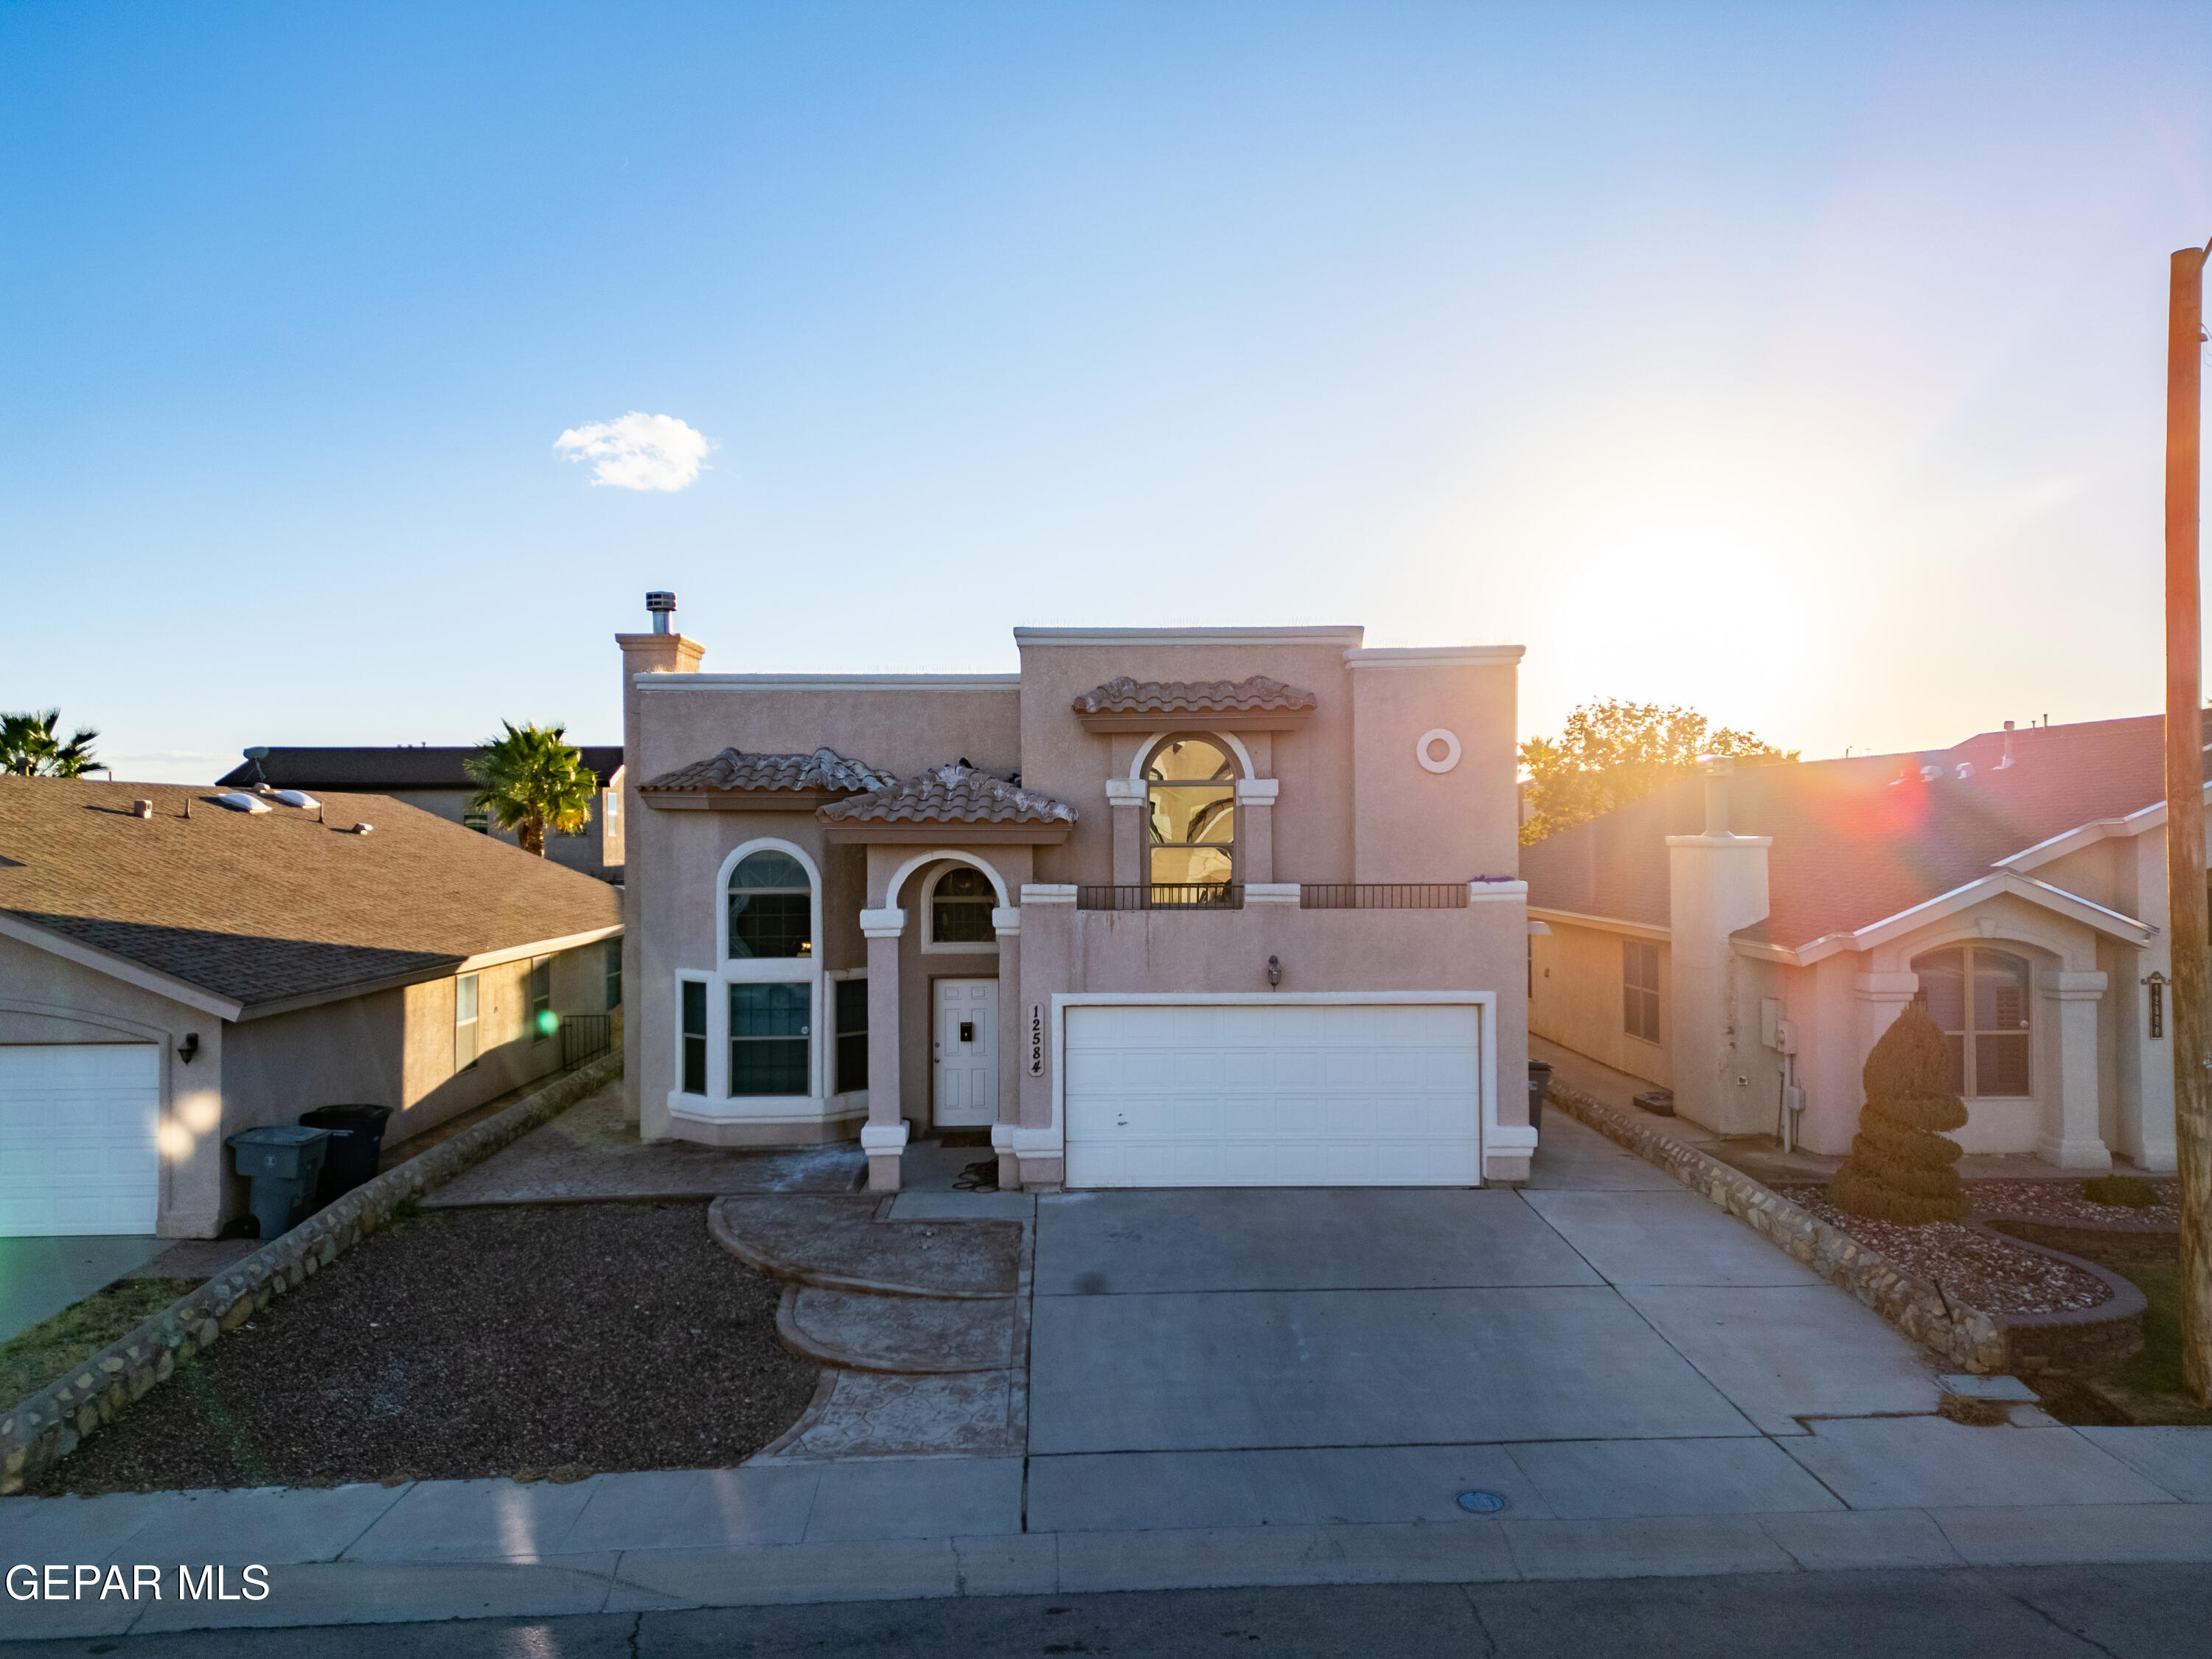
(1037, 1039)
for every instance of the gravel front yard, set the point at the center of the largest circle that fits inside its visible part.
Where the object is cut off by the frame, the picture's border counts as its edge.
(1993, 1274)
(517, 1340)
(2060, 1204)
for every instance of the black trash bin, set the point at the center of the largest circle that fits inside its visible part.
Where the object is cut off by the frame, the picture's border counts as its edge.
(1539, 1088)
(356, 1144)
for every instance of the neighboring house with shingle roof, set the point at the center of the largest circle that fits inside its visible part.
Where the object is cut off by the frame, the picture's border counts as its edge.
(171, 971)
(1168, 907)
(435, 778)
(2015, 882)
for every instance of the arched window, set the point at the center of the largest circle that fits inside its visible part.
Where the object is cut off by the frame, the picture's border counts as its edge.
(1978, 998)
(960, 907)
(771, 908)
(1192, 818)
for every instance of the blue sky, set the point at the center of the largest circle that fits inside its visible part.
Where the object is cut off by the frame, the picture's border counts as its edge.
(1801, 362)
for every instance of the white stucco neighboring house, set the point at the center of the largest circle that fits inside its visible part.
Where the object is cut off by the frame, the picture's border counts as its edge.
(1167, 907)
(1745, 937)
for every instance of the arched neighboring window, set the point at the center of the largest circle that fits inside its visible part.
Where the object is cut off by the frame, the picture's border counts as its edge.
(960, 907)
(771, 907)
(1191, 814)
(1978, 998)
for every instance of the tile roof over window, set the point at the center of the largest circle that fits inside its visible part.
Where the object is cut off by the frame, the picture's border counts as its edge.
(372, 770)
(825, 769)
(950, 794)
(274, 907)
(1858, 841)
(1125, 695)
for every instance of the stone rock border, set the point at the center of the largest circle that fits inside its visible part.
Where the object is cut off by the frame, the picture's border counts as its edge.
(1969, 1338)
(41, 1430)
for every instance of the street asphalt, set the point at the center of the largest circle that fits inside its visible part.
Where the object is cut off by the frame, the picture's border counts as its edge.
(2121, 1613)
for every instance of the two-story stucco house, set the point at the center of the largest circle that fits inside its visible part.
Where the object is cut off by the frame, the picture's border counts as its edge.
(1169, 907)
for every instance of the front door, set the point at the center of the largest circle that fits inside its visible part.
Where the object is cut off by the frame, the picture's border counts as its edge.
(966, 1053)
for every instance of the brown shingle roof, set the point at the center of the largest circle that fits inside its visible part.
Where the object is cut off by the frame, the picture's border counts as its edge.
(372, 770)
(733, 768)
(950, 794)
(1858, 841)
(1125, 695)
(274, 907)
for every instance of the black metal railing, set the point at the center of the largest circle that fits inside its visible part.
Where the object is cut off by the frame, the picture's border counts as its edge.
(1382, 896)
(585, 1036)
(1164, 895)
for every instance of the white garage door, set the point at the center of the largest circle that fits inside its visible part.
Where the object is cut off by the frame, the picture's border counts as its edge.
(1273, 1095)
(77, 1153)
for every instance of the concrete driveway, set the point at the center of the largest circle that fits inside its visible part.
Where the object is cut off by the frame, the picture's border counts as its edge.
(1603, 1343)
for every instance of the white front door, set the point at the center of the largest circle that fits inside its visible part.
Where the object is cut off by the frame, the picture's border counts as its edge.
(967, 1039)
(1274, 1095)
(77, 1149)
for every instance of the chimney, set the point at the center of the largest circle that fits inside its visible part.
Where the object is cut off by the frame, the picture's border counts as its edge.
(660, 605)
(1716, 770)
(2007, 761)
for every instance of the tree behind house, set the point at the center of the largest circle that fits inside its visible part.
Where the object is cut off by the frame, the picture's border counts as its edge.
(1611, 753)
(29, 748)
(531, 781)
(1900, 1166)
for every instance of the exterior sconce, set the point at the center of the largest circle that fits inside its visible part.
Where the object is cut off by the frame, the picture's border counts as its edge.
(1275, 972)
(189, 1046)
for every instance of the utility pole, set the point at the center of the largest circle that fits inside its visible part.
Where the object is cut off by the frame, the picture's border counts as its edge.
(2185, 814)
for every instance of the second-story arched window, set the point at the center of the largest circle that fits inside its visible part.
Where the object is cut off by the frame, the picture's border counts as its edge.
(1191, 814)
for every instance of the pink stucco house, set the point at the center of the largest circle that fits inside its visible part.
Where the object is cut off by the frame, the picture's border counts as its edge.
(1169, 907)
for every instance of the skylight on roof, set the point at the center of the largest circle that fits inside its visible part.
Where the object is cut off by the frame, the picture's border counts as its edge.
(240, 803)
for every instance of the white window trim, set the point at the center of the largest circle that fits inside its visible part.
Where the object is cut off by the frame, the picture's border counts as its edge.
(719, 1105)
(931, 947)
(1230, 739)
(474, 1021)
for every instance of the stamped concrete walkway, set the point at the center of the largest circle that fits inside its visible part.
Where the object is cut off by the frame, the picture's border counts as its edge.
(1265, 1387)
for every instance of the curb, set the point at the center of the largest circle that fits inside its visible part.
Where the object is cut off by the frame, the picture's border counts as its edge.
(39, 1432)
(1969, 1338)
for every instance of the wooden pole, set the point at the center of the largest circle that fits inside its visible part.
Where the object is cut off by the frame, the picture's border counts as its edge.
(2185, 814)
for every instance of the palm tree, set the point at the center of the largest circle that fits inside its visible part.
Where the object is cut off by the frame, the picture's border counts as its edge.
(530, 782)
(29, 749)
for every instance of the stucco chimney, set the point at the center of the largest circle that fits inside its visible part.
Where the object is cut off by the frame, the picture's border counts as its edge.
(1716, 883)
(661, 652)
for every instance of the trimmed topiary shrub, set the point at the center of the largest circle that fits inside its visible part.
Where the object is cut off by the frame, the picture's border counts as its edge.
(1900, 1169)
(2125, 1191)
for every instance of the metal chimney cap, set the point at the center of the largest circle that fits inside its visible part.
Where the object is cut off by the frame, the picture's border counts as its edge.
(659, 600)
(258, 751)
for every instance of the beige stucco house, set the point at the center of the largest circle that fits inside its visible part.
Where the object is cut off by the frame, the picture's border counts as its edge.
(434, 779)
(1168, 907)
(1745, 940)
(171, 971)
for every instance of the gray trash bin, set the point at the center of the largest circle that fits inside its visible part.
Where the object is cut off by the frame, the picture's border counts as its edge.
(1540, 1090)
(283, 1161)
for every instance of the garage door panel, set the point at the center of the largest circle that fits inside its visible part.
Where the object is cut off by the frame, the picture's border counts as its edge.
(77, 1147)
(1274, 1094)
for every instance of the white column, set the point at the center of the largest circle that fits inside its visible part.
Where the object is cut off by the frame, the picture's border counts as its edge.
(2070, 1137)
(883, 1135)
(1013, 1044)
(1127, 797)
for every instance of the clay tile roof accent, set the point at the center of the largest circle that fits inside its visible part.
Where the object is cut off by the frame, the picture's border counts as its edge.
(733, 768)
(285, 905)
(1128, 696)
(950, 794)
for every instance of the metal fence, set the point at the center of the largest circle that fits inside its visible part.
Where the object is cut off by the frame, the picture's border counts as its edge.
(585, 1036)
(1382, 896)
(1164, 895)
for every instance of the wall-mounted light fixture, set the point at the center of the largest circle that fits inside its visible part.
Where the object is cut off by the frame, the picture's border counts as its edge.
(1275, 972)
(189, 1046)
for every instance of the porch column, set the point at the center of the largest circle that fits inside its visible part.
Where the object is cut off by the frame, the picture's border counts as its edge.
(1255, 829)
(1013, 1044)
(2069, 1135)
(1125, 797)
(883, 1135)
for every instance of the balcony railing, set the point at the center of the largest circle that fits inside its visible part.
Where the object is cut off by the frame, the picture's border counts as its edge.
(1382, 896)
(585, 1036)
(1164, 895)
(1312, 896)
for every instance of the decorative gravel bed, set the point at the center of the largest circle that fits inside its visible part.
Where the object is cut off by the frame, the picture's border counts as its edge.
(1993, 1274)
(2060, 1203)
(523, 1340)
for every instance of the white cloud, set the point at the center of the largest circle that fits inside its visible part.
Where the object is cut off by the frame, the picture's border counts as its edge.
(639, 450)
